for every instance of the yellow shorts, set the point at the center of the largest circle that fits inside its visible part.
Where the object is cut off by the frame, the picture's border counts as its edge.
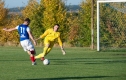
(47, 41)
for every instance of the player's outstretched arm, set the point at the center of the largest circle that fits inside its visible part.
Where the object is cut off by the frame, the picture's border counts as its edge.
(37, 39)
(61, 46)
(9, 30)
(63, 51)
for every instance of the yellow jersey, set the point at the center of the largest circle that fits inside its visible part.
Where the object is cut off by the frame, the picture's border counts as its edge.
(52, 36)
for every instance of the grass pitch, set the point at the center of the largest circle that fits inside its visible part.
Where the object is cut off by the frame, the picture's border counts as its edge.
(77, 64)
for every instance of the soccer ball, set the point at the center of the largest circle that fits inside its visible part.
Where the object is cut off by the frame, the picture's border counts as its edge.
(46, 62)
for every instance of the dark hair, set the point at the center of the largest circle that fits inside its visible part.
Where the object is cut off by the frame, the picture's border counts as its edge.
(57, 25)
(28, 20)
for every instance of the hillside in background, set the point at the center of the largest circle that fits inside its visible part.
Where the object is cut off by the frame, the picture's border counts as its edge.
(73, 7)
(16, 9)
(69, 8)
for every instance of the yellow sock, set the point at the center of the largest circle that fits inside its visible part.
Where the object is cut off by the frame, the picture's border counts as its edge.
(39, 56)
(42, 54)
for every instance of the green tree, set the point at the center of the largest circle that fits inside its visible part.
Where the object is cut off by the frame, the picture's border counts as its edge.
(54, 13)
(85, 23)
(34, 11)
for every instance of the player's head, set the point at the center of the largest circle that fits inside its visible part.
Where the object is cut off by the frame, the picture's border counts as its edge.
(56, 27)
(27, 21)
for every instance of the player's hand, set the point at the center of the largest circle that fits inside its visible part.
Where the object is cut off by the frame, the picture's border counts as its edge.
(4, 29)
(35, 43)
(63, 51)
(37, 39)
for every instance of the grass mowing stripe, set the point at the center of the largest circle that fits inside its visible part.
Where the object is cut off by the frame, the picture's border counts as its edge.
(78, 63)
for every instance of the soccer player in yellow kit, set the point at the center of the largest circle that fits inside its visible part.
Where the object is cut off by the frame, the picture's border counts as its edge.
(51, 35)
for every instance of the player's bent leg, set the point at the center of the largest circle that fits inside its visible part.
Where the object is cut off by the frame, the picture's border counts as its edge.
(28, 46)
(50, 47)
(44, 52)
(48, 50)
(33, 60)
(33, 52)
(39, 56)
(32, 57)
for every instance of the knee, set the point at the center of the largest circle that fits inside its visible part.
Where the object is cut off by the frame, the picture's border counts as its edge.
(33, 52)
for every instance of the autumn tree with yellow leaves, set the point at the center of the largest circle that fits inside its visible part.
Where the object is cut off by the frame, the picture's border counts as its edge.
(3, 12)
(55, 13)
(85, 23)
(34, 11)
(3, 15)
(74, 26)
(73, 23)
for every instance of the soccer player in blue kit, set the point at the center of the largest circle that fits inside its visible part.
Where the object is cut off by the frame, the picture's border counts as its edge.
(25, 36)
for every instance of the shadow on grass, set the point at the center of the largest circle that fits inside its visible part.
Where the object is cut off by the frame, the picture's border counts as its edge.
(105, 62)
(86, 61)
(66, 78)
(80, 61)
(14, 60)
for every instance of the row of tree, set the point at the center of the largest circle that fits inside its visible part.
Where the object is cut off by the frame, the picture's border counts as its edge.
(75, 26)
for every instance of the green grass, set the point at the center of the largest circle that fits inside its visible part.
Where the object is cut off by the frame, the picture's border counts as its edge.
(77, 64)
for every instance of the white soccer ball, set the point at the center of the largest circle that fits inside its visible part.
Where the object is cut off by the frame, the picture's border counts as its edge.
(46, 62)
